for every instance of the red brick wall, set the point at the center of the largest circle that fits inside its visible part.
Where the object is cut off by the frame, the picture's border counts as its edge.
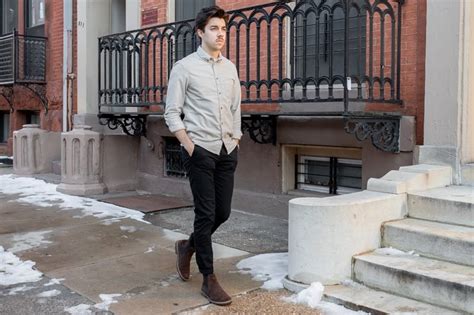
(25, 99)
(412, 77)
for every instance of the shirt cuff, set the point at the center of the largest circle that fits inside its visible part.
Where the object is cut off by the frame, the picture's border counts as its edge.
(176, 127)
(237, 135)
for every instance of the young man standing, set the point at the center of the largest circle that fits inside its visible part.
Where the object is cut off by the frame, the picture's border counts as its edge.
(205, 87)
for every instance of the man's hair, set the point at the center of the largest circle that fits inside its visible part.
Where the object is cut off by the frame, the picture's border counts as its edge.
(208, 13)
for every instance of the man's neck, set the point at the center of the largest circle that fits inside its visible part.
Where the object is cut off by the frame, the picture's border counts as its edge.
(213, 53)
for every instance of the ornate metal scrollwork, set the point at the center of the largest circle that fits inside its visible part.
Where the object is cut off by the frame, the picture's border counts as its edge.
(7, 93)
(384, 132)
(40, 91)
(131, 125)
(261, 129)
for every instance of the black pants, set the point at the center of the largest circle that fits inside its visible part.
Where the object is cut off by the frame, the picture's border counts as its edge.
(212, 182)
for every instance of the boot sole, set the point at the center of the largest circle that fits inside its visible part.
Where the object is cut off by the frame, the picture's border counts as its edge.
(216, 302)
(177, 262)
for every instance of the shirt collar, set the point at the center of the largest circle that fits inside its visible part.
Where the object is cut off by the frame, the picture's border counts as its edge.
(204, 55)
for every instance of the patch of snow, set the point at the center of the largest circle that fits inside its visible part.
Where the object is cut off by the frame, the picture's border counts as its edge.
(14, 271)
(150, 249)
(40, 193)
(312, 296)
(270, 268)
(49, 293)
(81, 309)
(390, 251)
(22, 288)
(28, 241)
(54, 281)
(129, 229)
(107, 299)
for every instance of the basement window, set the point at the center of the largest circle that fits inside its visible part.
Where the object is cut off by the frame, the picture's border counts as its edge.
(328, 174)
(173, 159)
(4, 126)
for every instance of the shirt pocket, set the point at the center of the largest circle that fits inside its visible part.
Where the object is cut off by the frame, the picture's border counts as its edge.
(228, 85)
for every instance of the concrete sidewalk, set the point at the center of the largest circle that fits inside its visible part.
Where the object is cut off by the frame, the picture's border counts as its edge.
(131, 259)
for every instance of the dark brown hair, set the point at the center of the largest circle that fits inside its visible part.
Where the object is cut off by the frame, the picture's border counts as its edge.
(208, 13)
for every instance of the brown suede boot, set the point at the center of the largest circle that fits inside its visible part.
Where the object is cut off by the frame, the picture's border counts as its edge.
(212, 290)
(184, 252)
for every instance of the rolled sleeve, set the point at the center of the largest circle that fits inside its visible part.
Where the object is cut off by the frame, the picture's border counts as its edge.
(175, 98)
(236, 119)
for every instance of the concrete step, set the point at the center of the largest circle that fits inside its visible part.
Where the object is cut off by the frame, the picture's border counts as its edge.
(433, 239)
(358, 297)
(452, 204)
(428, 280)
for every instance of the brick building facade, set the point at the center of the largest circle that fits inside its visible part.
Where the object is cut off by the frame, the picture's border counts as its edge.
(36, 18)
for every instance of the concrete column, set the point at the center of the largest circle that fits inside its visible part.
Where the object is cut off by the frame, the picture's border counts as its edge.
(448, 97)
(34, 149)
(81, 154)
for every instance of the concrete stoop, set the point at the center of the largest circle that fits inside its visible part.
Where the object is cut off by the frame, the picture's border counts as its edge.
(452, 204)
(447, 242)
(439, 277)
(374, 302)
(429, 280)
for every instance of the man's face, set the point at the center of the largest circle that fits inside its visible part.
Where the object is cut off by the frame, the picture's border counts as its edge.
(214, 34)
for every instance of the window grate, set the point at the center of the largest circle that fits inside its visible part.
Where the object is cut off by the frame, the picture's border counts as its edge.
(173, 159)
(328, 174)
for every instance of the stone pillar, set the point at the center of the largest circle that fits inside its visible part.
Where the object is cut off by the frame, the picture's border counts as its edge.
(34, 149)
(449, 107)
(81, 167)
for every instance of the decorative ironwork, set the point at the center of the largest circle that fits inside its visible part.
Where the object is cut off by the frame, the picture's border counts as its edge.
(339, 51)
(332, 45)
(384, 132)
(7, 93)
(22, 59)
(40, 91)
(132, 125)
(174, 165)
(261, 129)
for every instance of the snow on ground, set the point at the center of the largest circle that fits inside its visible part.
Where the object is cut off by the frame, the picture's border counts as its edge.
(28, 240)
(54, 281)
(312, 296)
(389, 251)
(23, 288)
(150, 249)
(49, 293)
(14, 271)
(271, 268)
(40, 193)
(107, 299)
(81, 309)
(129, 229)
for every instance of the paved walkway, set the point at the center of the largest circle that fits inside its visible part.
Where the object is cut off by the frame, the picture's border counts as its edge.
(135, 261)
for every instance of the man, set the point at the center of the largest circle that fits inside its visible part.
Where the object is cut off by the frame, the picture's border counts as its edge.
(205, 87)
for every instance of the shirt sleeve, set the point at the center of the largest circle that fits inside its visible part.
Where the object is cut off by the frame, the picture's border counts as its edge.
(175, 98)
(237, 129)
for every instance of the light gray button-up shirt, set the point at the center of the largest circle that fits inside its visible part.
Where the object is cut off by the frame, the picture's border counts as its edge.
(207, 91)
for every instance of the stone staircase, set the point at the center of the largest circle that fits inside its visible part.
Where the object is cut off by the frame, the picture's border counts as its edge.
(437, 277)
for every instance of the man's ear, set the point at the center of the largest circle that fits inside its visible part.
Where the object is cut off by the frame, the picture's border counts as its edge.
(200, 33)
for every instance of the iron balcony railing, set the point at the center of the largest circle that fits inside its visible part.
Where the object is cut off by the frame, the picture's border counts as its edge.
(22, 59)
(304, 51)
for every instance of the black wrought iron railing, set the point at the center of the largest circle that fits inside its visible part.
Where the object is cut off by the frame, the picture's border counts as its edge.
(324, 54)
(301, 51)
(22, 59)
